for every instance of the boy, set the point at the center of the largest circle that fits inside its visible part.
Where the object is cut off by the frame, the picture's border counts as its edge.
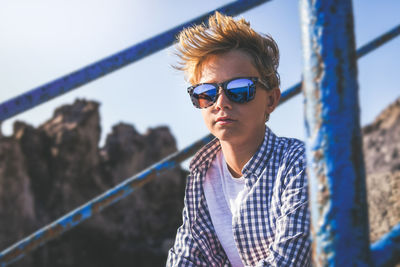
(246, 201)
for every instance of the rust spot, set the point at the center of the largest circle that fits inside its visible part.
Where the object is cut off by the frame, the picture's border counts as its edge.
(139, 183)
(318, 155)
(54, 231)
(318, 111)
(13, 254)
(103, 203)
(51, 232)
(323, 192)
(33, 244)
(77, 217)
(314, 254)
(320, 67)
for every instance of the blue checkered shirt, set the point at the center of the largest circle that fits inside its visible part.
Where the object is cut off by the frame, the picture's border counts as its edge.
(272, 227)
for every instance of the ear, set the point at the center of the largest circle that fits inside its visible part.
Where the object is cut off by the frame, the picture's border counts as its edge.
(273, 99)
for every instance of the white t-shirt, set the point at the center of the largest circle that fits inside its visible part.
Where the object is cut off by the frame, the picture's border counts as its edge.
(224, 194)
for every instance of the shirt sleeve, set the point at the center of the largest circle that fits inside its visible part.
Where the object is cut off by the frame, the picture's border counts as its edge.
(291, 246)
(185, 251)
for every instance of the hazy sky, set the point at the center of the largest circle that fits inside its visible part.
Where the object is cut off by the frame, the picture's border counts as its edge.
(42, 40)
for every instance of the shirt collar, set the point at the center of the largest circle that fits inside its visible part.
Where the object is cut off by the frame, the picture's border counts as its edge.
(254, 167)
(205, 155)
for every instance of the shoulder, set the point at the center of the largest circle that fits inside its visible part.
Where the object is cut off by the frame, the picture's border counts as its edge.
(203, 158)
(292, 147)
(291, 160)
(289, 149)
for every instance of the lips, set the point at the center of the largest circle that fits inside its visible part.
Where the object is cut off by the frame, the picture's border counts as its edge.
(224, 120)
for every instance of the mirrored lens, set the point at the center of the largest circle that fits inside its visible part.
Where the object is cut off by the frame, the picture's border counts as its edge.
(240, 90)
(204, 95)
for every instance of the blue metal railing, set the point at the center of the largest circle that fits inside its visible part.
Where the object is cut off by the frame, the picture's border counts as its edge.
(109, 64)
(385, 251)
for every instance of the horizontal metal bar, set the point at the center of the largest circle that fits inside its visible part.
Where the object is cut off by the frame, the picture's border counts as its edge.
(362, 51)
(386, 251)
(290, 92)
(109, 64)
(377, 42)
(94, 206)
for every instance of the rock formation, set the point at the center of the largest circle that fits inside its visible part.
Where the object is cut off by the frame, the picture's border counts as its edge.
(381, 141)
(50, 170)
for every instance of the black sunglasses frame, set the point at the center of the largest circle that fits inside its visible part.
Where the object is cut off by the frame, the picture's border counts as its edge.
(223, 85)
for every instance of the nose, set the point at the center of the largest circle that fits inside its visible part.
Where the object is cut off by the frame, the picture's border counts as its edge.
(223, 101)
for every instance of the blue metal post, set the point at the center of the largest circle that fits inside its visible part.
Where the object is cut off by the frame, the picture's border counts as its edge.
(334, 152)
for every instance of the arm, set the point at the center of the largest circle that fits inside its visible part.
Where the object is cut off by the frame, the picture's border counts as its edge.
(185, 251)
(292, 243)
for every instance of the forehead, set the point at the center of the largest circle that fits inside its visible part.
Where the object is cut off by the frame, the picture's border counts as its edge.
(222, 67)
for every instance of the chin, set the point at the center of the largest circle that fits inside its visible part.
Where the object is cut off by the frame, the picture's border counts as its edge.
(228, 136)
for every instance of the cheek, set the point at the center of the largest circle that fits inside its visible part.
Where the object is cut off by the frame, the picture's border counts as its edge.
(256, 114)
(262, 104)
(259, 107)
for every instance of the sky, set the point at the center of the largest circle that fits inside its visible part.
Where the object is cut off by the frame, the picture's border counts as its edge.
(42, 40)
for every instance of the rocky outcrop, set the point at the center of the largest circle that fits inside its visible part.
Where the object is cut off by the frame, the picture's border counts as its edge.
(16, 198)
(381, 141)
(48, 171)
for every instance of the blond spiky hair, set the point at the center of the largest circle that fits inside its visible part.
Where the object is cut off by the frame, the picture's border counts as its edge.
(222, 34)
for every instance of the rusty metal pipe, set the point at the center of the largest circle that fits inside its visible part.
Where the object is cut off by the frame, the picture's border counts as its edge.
(336, 171)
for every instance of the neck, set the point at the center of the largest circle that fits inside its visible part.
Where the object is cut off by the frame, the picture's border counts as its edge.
(238, 154)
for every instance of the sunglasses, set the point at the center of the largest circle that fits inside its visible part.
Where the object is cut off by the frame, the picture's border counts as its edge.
(238, 90)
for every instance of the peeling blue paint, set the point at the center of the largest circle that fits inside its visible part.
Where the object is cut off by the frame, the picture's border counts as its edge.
(334, 152)
(165, 166)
